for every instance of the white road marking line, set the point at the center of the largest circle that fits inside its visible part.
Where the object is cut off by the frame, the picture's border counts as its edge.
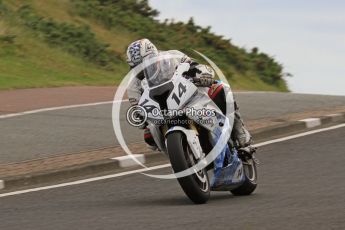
(257, 92)
(84, 181)
(57, 108)
(159, 166)
(311, 122)
(299, 135)
(91, 104)
(73, 106)
(127, 161)
(335, 115)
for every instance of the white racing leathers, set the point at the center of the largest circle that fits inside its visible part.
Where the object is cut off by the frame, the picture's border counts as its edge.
(239, 134)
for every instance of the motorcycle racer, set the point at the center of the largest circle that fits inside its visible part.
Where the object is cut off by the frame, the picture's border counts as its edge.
(139, 50)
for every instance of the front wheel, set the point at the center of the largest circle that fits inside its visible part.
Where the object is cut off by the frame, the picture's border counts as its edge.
(195, 186)
(250, 182)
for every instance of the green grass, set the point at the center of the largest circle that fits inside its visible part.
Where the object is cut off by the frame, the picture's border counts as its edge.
(30, 61)
(252, 83)
(28, 73)
(34, 64)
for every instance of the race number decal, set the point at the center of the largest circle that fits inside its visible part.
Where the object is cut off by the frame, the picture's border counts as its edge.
(181, 90)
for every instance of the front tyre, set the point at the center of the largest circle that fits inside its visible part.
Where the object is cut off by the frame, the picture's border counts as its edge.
(250, 182)
(195, 186)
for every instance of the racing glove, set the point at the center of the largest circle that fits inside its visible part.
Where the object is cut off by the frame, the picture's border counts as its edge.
(204, 76)
(205, 81)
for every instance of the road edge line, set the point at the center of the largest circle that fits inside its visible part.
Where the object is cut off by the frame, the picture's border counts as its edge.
(29, 112)
(125, 161)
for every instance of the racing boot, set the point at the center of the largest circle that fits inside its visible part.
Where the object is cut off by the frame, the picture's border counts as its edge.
(149, 139)
(239, 132)
(242, 136)
(243, 139)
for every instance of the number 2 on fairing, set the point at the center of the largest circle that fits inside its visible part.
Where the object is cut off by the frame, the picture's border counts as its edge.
(181, 90)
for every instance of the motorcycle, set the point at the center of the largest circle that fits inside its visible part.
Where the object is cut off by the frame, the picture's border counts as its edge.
(186, 138)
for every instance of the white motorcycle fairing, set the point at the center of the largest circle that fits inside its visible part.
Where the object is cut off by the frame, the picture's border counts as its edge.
(183, 93)
(179, 93)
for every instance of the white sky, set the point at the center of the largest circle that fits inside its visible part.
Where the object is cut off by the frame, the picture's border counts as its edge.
(307, 37)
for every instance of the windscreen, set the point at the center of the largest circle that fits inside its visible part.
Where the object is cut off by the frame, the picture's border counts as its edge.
(159, 70)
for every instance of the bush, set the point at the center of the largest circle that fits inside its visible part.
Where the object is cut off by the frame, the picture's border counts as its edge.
(7, 45)
(139, 18)
(2, 8)
(77, 40)
(7, 39)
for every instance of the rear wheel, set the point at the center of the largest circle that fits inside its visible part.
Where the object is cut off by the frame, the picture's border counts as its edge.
(250, 182)
(195, 186)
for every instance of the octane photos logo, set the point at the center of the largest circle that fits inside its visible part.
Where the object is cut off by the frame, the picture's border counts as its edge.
(137, 116)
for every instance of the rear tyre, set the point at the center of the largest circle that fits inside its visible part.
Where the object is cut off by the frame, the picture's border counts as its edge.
(195, 186)
(250, 182)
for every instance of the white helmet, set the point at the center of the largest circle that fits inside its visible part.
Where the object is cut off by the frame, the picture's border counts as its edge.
(138, 50)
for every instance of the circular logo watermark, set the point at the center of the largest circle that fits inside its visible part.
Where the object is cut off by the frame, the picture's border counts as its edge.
(136, 116)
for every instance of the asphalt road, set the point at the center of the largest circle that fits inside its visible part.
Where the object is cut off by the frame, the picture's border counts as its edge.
(301, 186)
(79, 129)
